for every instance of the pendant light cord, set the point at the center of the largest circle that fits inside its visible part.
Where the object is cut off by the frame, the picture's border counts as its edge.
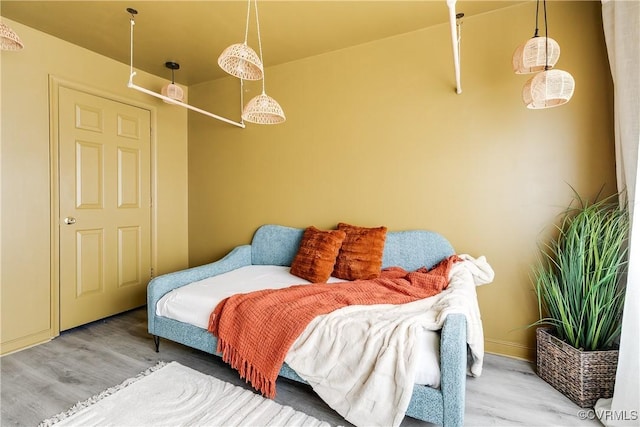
(255, 2)
(246, 36)
(246, 27)
(546, 37)
(241, 100)
(535, 34)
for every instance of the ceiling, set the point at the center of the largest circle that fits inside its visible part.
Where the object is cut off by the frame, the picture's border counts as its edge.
(194, 33)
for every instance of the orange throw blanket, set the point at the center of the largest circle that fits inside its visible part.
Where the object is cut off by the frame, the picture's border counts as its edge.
(256, 330)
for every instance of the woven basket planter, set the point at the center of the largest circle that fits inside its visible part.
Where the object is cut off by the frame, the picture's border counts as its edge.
(582, 376)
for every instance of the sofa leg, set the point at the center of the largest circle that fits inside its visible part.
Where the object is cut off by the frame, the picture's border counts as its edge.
(156, 341)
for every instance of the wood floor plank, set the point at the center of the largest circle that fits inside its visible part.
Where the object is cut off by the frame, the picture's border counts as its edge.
(42, 381)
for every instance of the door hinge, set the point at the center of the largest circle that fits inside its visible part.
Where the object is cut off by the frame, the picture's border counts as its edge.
(151, 272)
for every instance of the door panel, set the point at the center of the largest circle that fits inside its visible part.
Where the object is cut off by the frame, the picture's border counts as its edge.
(128, 173)
(129, 251)
(89, 262)
(105, 213)
(89, 175)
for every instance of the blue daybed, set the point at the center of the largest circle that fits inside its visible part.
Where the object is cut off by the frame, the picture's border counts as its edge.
(277, 245)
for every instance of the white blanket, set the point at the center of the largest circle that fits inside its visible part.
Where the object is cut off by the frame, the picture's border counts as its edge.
(194, 302)
(359, 359)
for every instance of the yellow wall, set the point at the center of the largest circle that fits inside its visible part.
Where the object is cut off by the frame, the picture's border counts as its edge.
(28, 299)
(376, 136)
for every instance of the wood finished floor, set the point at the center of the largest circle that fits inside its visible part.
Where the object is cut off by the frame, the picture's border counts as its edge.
(42, 381)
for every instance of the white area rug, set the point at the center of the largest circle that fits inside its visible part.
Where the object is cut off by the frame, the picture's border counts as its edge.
(174, 395)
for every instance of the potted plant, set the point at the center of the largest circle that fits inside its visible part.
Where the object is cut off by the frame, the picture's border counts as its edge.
(580, 299)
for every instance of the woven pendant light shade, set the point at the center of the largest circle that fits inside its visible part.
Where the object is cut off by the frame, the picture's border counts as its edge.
(9, 40)
(263, 110)
(173, 91)
(548, 89)
(531, 57)
(241, 61)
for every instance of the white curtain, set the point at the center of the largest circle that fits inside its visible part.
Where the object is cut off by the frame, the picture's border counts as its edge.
(621, 21)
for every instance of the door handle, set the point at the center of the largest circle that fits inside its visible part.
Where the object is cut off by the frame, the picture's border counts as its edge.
(69, 220)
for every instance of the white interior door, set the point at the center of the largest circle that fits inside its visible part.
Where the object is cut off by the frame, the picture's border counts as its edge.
(105, 212)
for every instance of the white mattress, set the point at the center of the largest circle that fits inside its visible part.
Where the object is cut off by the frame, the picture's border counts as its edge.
(194, 303)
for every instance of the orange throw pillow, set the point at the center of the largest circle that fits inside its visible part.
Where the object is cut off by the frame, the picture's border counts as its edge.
(317, 254)
(360, 256)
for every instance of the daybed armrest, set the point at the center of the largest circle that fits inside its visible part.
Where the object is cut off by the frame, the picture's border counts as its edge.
(158, 286)
(453, 367)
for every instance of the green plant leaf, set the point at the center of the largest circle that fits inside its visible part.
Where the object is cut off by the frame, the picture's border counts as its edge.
(577, 277)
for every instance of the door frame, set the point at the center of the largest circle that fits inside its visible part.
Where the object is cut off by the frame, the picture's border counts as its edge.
(55, 83)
